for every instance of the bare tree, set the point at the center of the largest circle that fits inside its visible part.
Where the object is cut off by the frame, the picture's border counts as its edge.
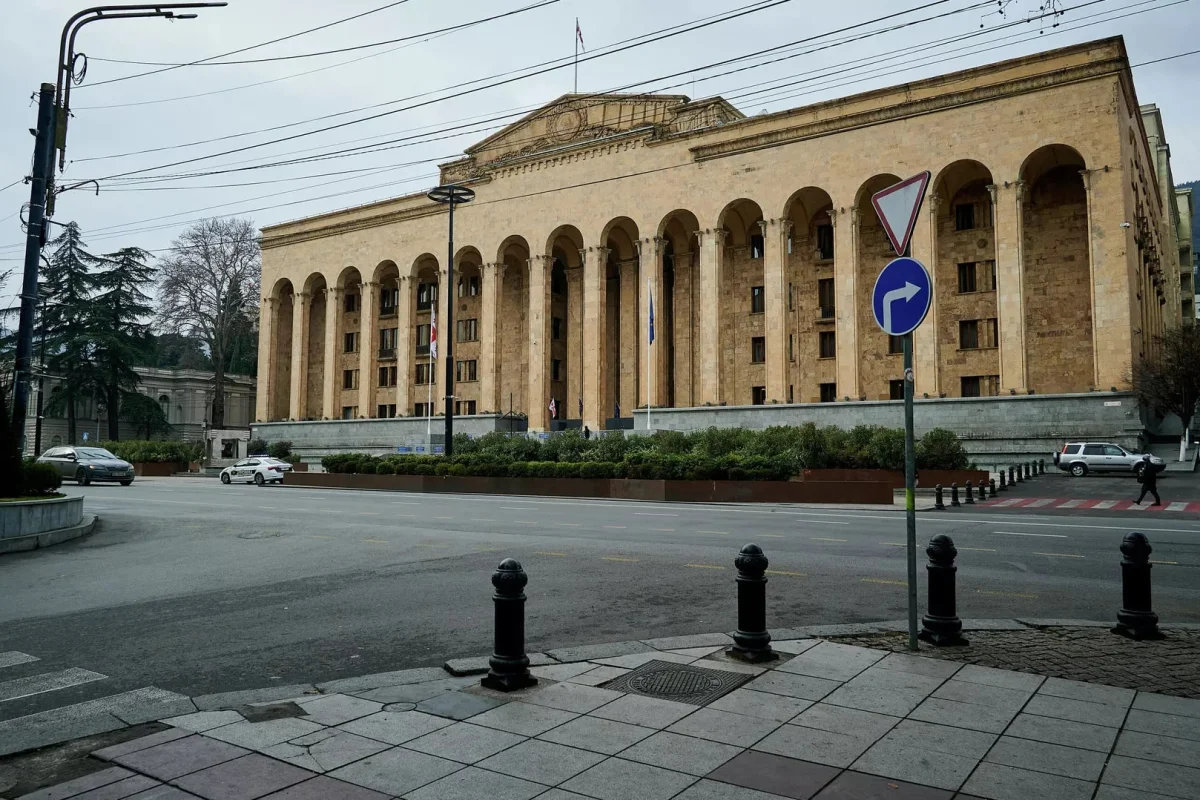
(208, 287)
(1169, 381)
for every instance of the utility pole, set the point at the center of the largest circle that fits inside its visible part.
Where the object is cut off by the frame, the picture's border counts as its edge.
(451, 196)
(41, 387)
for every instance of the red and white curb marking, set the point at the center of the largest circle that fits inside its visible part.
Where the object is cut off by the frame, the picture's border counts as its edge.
(1093, 505)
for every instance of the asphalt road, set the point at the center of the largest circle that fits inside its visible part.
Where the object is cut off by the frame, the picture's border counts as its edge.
(196, 587)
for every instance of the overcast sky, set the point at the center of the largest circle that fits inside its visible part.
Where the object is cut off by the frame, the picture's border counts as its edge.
(163, 111)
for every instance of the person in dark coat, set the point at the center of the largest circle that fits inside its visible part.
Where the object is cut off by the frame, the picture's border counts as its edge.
(587, 432)
(1149, 479)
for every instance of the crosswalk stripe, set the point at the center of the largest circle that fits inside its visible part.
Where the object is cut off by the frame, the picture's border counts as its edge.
(1006, 503)
(1070, 503)
(1176, 507)
(1105, 504)
(47, 682)
(1040, 503)
(12, 658)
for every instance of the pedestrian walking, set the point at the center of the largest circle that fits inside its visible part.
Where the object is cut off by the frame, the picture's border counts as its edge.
(1149, 478)
(587, 432)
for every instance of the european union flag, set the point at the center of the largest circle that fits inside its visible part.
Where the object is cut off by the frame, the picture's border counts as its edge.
(651, 319)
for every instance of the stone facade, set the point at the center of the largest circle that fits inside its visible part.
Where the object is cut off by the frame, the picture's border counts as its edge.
(1046, 228)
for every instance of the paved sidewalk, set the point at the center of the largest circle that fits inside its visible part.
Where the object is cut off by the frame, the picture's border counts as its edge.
(828, 720)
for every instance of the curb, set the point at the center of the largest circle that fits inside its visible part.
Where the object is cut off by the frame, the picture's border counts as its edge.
(19, 544)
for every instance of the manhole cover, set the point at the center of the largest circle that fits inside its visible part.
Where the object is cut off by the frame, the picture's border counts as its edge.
(259, 535)
(682, 683)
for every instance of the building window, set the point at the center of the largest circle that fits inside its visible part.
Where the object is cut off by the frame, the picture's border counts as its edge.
(468, 330)
(422, 340)
(974, 334)
(827, 341)
(423, 410)
(468, 286)
(966, 278)
(387, 377)
(387, 342)
(970, 386)
(426, 296)
(349, 379)
(756, 245)
(465, 371)
(791, 347)
(350, 303)
(825, 242)
(825, 297)
(556, 329)
(828, 392)
(758, 395)
(386, 411)
(350, 343)
(896, 389)
(349, 412)
(558, 280)
(758, 350)
(964, 217)
(986, 271)
(388, 299)
(424, 374)
(556, 369)
(791, 393)
(791, 300)
(165, 402)
(895, 345)
(464, 408)
(758, 300)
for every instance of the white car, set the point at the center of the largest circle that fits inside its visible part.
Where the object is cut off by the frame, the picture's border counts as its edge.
(259, 469)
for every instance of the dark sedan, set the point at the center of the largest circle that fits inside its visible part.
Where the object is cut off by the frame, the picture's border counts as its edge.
(87, 464)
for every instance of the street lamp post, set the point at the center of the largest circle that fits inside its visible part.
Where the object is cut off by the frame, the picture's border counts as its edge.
(451, 196)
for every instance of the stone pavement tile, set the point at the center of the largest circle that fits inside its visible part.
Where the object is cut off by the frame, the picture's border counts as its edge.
(395, 727)
(698, 640)
(941, 739)
(415, 692)
(794, 646)
(763, 705)
(834, 718)
(681, 753)
(980, 694)
(617, 779)
(133, 745)
(334, 709)
(824, 747)
(202, 721)
(636, 660)
(1153, 776)
(916, 765)
(964, 715)
(542, 762)
(593, 652)
(245, 778)
(559, 794)
(859, 786)
(1076, 710)
(833, 661)
(597, 675)
(714, 790)
(214, 702)
(396, 771)
(472, 783)
(54, 726)
(162, 792)
(458, 705)
(325, 750)
(775, 775)
(1164, 724)
(1153, 747)
(1110, 792)
(722, 660)
(999, 782)
(1060, 731)
(571, 697)
(525, 719)
(1089, 692)
(560, 672)
(85, 783)
(883, 692)
(724, 726)
(129, 787)
(599, 735)
(325, 788)
(895, 679)
(697, 652)
(1070, 762)
(170, 760)
(465, 742)
(464, 667)
(649, 712)
(261, 735)
(1166, 704)
(364, 683)
(1005, 679)
(803, 687)
(918, 665)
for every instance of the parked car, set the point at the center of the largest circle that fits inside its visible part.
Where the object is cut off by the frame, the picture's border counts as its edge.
(259, 469)
(87, 464)
(1080, 458)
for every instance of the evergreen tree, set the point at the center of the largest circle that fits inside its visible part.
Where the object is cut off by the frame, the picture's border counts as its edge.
(118, 318)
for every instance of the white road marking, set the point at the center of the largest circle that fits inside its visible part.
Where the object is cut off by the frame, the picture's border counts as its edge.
(1045, 501)
(653, 514)
(1176, 507)
(1103, 504)
(12, 658)
(1006, 503)
(47, 682)
(1043, 535)
(1071, 504)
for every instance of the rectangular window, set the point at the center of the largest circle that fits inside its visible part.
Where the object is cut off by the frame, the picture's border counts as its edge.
(465, 371)
(758, 350)
(756, 246)
(964, 217)
(349, 379)
(350, 303)
(758, 395)
(827, 342)
(791, 347)
(426, 296)
(349, 412)
(424, 374)
(970, 386)
(556, 369)
(986, 272)
(386, 411)
(422, 340)
(556, 328)
(468, 330)
(423, 410)
(825, 297)
(791, 301)
(968, 335)
(988, 333)
(350, 343)
(388, 299)
(828, 392)
(387, 377)
(895, 345)
(896, 389)
(464, 408)
(758, 300)
(387, 342)
(966, 278)
(825, 242)
(468, 286)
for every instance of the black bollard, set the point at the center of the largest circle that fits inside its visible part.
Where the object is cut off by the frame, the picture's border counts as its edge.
(752, 642)
(983, 490)
(970, 496)
(1136, 619)
(938, 502)
(941, 625)
(1014, 475)
(954, 495)
(509, 664)
(1003, 483)
(992, 483)
(1028, 474)
(1041, 466)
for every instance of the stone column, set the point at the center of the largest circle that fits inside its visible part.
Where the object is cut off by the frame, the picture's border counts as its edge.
(266, 359)
(845, 293)
(334, 309)
(404, 345)
(595, 336)
(712, 246)
(1114, 290)
(650, 273)
(1008, 225)
(446, 295)
(539, 342)
(630, 362)
(926, 346)
(489, 337)
(775, 239)
(369, 315)
(300, 309)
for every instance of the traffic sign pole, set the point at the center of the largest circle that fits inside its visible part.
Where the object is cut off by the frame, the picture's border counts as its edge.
(910, 481)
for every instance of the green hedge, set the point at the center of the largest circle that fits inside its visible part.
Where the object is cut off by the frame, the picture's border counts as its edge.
(776, 454)
(38, 479)
(173, 452)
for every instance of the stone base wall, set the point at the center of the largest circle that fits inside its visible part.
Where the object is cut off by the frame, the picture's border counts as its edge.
(28, 517)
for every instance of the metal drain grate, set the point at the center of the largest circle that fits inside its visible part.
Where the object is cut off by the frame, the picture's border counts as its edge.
(683, 683)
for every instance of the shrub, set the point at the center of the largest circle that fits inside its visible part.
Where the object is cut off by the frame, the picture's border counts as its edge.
(886, 448)
(257, 447)
(385, 468)
(941, 449)
(157, 451)
(39, 479)
(280, 450)
(366, 467)
(597, 470)
(566, 469)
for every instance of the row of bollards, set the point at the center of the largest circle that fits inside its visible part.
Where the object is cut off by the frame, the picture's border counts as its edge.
(1016, 474)
(940, 625)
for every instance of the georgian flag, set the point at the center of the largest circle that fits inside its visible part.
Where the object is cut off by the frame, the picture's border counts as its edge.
(433, 335)
(579, 35)
(553, 409)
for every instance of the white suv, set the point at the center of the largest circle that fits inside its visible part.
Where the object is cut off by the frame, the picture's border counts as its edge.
(1080, 458)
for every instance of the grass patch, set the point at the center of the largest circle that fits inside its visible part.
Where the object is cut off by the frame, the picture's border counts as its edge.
(53, 496)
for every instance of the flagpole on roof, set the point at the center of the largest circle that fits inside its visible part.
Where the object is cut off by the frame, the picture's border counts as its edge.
(578, 44)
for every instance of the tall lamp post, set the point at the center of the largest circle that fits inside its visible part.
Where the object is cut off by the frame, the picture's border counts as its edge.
(451, 196)
(54, 109)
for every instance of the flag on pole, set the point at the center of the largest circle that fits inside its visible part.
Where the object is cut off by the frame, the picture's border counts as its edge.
(553, 409)
(651, 319)
(581, 406)
(433, 335)
(616, 410)
(579, 35)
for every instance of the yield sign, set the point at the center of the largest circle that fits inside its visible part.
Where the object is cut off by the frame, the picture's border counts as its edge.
(897, 207)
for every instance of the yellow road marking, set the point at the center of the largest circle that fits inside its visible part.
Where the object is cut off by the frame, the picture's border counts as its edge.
(1008, 594)
(772, 535)
(704, 566)
(615, 527)
(487, 549)
(979, 549)
(618, 558)
(403, 515)
(377, 541)
(822, 539)
(789, 574)
(438, 546)
(524, 522)
(893, 544)
(547, 553)
(1175, 563)
(474, 519)
(718, 533)
(570, 524)
(443, 517)
(881, 580)
(368, 513)
(664, 530)
(1057, 555)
